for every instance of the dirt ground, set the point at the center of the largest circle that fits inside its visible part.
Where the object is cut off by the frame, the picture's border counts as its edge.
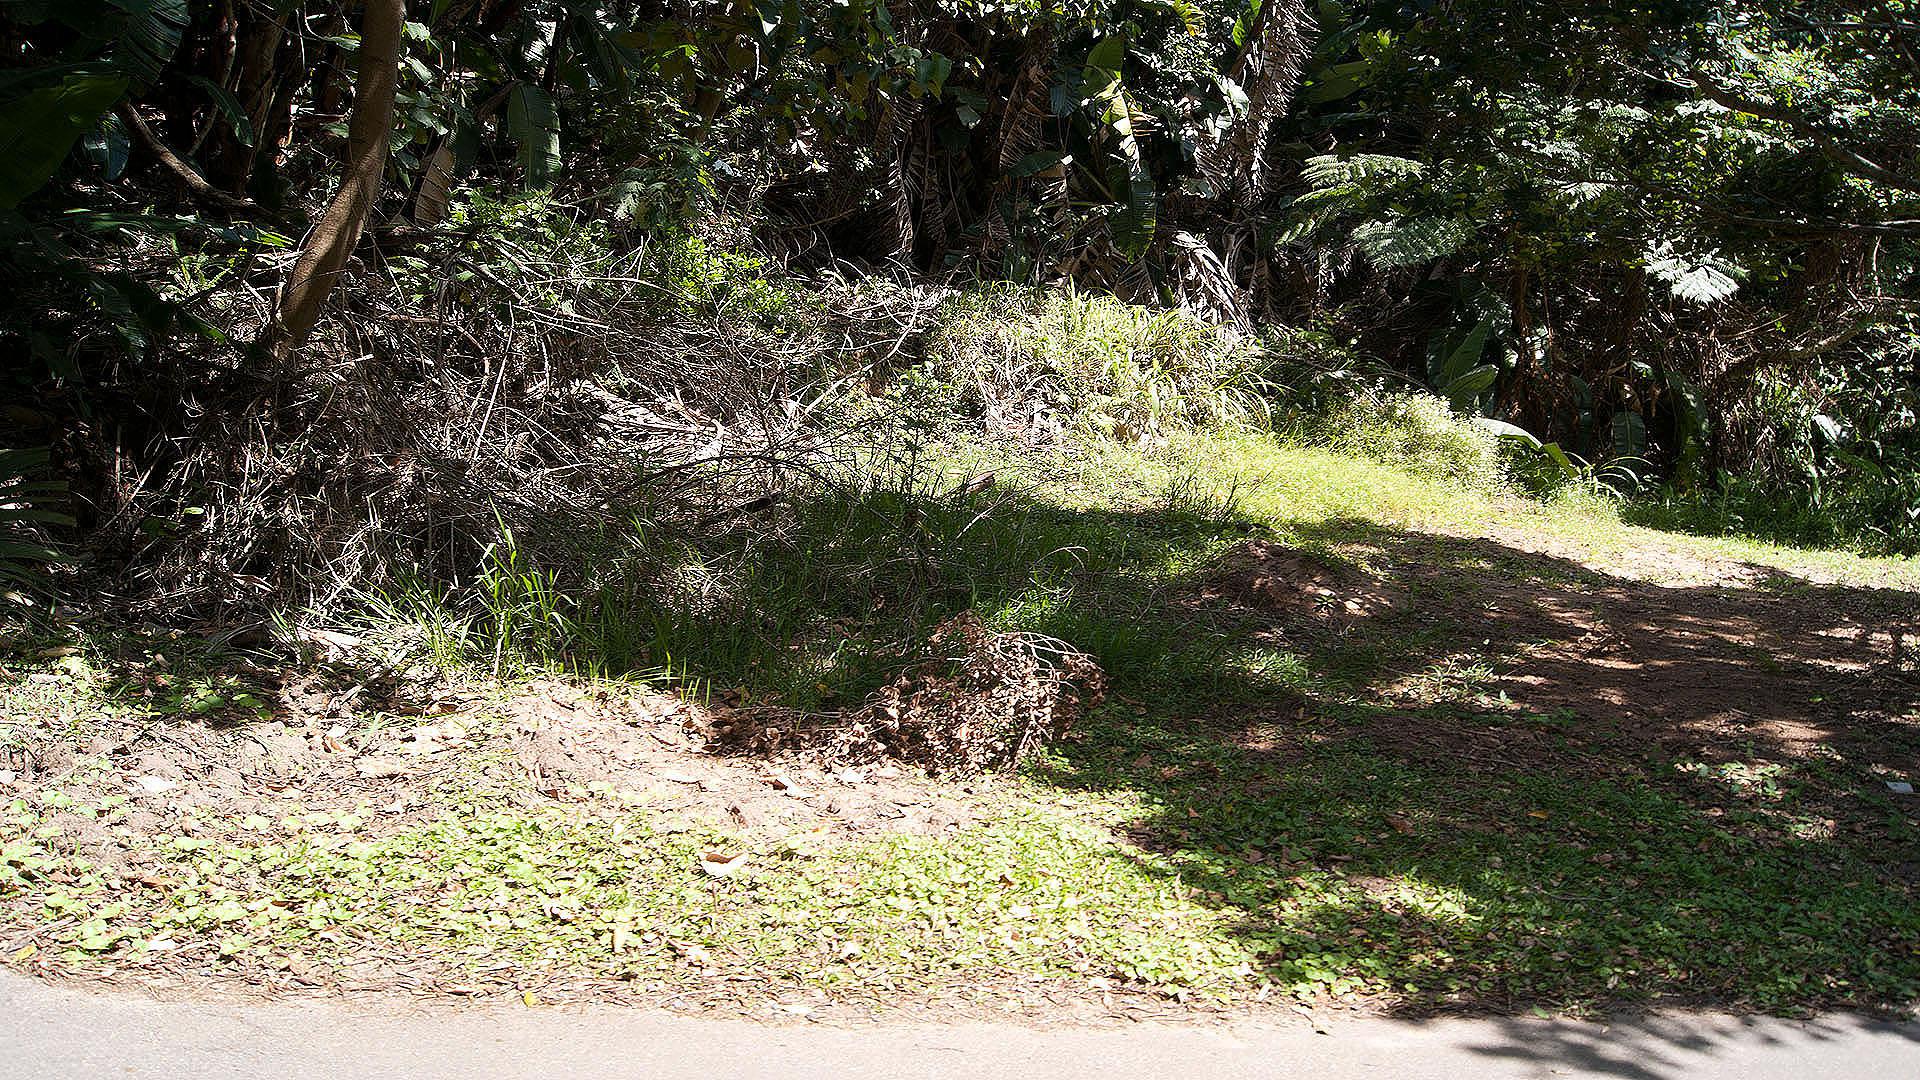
(1673, 654)
(1659, 650)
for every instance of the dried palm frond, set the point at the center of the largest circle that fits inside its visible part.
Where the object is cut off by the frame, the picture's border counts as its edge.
(1278, 39)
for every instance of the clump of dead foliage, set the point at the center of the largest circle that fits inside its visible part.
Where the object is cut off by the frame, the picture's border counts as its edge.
(524, 375)
(976, 700)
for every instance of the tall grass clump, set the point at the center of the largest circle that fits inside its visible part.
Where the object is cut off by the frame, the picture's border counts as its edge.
(1414, 430)
(1072, 364)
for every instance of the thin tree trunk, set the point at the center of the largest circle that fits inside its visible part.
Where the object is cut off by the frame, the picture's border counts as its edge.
(274, 133)
(230, 165)
(332, 240)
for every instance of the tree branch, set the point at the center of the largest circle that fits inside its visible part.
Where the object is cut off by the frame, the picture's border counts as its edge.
(1845, 155)
(196, 186)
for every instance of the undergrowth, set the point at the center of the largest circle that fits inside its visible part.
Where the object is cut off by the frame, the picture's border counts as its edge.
(1261, 811)
(1267, 805)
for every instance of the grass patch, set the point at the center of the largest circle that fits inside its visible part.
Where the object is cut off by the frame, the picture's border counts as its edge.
(1454, 797)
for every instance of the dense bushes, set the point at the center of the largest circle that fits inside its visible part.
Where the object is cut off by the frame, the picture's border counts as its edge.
(612, 246)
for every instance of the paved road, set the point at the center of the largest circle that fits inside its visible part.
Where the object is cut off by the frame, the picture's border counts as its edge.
(53, 1032)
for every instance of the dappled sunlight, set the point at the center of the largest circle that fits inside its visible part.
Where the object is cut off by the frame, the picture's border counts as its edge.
(1341, 759)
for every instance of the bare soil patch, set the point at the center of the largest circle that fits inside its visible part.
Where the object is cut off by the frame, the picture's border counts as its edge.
(1744, 664)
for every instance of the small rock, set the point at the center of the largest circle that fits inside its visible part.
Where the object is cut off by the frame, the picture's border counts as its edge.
(1900, 787)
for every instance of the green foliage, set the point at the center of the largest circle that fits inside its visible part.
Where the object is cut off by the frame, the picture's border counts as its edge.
(1654, 192)
(534, 125)
(1700, 280)
(1295, 821)
(38, 128)
(1081, 363)
(1416, 431)
(29, 503)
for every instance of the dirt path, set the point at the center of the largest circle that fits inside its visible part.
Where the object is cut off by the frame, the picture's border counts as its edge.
(52, 1032)
(1658, 645)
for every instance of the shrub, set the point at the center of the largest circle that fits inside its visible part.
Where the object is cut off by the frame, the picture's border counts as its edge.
(1056, 363)
(1416, 430)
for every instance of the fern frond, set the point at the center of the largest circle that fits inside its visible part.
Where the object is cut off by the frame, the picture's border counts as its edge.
(1409, 241)
(1695, 278)
(1370, 173)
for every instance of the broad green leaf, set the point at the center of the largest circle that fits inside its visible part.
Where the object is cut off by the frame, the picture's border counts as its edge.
(228, 107)
(148, 36)
(39, 129)
(1464, 356)
(1463, 391)
(534, 125)
(1629, 435)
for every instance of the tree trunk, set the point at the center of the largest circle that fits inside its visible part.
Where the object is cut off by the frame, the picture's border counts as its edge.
(230, 165)
(274, 134)
(332, 240)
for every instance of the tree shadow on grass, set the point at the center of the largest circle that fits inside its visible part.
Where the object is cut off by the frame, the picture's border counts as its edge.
(1443, 772)
(1468, 776)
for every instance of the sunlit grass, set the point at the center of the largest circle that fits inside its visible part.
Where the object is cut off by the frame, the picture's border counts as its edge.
(1244, 820)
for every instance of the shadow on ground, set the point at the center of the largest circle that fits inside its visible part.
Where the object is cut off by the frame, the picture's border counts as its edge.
(1448, 773)
(1675, 1047)
(1440, 772)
